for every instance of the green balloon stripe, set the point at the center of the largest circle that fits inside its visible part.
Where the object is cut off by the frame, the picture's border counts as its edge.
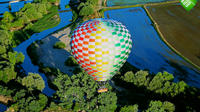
(122, 43)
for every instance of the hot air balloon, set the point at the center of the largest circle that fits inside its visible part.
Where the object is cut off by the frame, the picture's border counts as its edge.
(101, 47)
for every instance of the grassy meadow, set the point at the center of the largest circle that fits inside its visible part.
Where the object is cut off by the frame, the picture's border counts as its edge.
(179, 28)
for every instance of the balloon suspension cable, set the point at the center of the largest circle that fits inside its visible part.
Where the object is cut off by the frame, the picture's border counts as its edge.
(102, 87)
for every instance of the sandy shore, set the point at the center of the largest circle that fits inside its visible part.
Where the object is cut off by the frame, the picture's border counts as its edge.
(5, 99)
(52, 57)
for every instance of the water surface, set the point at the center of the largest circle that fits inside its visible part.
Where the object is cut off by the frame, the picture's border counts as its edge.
(27, 64)
(149, 51)
(14, 7)
(2, 107)
(131, 2)
(4, 7)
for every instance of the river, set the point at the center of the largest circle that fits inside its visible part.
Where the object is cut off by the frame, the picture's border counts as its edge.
(14, 7)
(149, 51)
(2, 107)
(27, 65)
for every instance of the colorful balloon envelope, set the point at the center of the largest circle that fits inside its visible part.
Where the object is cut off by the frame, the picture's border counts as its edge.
(101, 47)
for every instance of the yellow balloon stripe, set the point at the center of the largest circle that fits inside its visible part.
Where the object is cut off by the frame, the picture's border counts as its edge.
(100, 47)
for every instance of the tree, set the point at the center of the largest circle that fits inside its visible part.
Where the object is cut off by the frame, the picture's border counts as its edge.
(71, 61)
(24, 18)
(17, 24)
(11, 58)
(32, 12)
(7, 17)
(20, 57)
(30, 104)
(161, 83)
(173, 89)
(130, 108)
(5, 91)
(19, 95)
(8, 58)
(59, 45)
(41, 1)
(7, 74)
(33, 81)
(159, 80)
(42, 101)
(158, 106)
(139, 78)
(93, 2)
(5, 41)
(85, 9)
(56, 108)
(80, 90)
(42, 8)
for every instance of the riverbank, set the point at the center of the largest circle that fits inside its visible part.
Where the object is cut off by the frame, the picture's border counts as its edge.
(132, 2)
(49, 56)
(184, 42)
(49, 20)
(64, 89)
(139, 5)
(27, 64)
(5, 99)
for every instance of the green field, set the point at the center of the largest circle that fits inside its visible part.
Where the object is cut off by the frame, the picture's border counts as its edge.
(49, 20)
(179, 28)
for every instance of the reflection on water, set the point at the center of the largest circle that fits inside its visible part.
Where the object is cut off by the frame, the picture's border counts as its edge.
(148, 51)
(27, 65)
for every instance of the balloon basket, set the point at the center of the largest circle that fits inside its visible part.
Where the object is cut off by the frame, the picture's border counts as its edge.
(102, 90)
(102, 87)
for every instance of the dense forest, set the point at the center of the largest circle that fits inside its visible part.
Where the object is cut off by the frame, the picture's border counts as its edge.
(131, 90)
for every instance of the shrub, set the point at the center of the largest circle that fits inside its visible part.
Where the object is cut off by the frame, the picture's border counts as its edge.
(158, 106)
(33, 81)
(77, 70)
(71, 62)
(59, 45)
(79, 92)
(131, 108)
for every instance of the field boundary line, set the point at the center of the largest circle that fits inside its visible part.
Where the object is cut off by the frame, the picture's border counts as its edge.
(156, 26)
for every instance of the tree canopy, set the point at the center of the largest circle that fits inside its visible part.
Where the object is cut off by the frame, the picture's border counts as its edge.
(33, 81)
(79, 92)
(161, 83)
(29, 104)
(130, 108)
(158, 106)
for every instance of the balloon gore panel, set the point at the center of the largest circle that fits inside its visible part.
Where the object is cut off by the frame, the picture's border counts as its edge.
(101, 47)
